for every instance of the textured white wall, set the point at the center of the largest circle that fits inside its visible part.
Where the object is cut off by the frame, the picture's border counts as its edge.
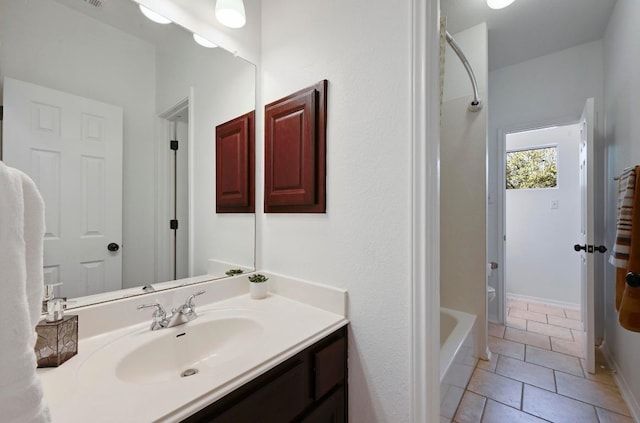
(62, 49)
(362, 243)
(622, 101)
(544, 91)
(540, 260)
(224, 87)
(463, 167)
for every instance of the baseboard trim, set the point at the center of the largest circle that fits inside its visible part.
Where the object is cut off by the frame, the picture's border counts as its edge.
(625, 390)
(556, 303)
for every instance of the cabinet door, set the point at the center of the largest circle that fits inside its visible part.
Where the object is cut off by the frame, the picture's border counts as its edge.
(235, 165)
(331, 410)
(278, 401)
(295, 132)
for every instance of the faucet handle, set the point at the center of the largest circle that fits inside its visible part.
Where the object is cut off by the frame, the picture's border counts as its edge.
(159, 312)
(190, 300)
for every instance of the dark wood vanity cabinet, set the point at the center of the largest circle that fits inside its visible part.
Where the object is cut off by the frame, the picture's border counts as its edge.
(310, 387)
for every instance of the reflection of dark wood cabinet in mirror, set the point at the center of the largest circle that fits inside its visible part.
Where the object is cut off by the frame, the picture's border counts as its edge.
(235, 159)
(166, 87)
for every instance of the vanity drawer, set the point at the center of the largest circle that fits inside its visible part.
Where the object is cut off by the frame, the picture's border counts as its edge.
(279, 400)
(329, 367)
(311, 386)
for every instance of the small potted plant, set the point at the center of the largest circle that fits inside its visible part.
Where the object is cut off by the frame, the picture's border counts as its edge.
(258, 288)
(234, 272)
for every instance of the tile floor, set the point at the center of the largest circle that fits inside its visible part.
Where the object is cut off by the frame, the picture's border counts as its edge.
(537, 374)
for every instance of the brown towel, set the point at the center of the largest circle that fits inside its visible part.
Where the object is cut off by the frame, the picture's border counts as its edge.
(629, 310)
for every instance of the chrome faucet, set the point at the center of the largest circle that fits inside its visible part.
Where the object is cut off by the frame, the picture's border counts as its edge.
(159, 316)
(186, 312)
(183, 314)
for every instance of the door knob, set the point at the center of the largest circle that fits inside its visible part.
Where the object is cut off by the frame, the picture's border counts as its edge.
(633, 279)
(601, 249)
(579, 247)
(113, 247)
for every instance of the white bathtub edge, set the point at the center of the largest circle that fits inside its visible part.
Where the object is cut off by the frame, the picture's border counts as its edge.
(449, 349)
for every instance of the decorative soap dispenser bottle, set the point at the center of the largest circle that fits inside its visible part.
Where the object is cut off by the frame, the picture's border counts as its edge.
(57, 335)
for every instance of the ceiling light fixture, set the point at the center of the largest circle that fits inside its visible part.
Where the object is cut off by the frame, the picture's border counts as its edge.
(231, 13)
(499, 4)
(156, 17)
(203, 41)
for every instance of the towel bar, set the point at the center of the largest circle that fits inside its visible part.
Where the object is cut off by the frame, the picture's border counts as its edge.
(633, 279)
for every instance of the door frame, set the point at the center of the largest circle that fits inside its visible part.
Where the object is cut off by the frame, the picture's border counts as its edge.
(502, 203)
(163, 182)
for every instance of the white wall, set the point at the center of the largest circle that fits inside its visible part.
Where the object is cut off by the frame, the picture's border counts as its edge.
(109, 66)
(463, 167)
(622, 101)
(223, 88)
(547, 90)
(540, 260)
(363, 242)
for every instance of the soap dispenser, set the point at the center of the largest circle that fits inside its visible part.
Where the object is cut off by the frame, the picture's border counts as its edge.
(49, 294)
(57, 335)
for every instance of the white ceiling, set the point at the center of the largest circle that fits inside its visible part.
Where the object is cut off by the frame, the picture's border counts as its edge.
(530, 28)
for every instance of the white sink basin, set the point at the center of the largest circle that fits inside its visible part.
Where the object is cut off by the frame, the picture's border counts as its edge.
(184, 351)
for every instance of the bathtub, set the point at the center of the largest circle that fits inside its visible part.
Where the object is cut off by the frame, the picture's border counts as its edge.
(457, 358)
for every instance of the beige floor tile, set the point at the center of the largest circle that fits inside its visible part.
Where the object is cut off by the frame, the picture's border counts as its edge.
(529, 338)
(606, 416)
(508, 348)
(514, 303)
(604, 374)
(546, 309)
(528, 315)
(499, 388)
(545, 329)
(532, 374)
(599, 394)
(577, 335)
(573, 314)
(554, 360)
(489, 365)
(556, 408)
(516, 322)
(496, 330)
(471, 408)
(567, 347)
(449, 401)
(500, 413)
(565, 323)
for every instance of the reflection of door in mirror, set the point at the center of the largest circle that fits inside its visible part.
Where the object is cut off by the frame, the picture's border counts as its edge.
(114, 55)
(71, 147)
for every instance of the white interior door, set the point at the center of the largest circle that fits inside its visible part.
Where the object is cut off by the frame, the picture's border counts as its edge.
(72, 148)
(587, 270)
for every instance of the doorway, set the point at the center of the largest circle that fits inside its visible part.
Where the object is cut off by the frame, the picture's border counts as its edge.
(172, 247)
(542, 215)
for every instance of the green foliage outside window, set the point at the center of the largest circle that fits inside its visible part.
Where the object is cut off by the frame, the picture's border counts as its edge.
(536, 168)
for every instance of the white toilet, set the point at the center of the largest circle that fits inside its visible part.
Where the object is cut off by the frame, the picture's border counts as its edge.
(491, 293)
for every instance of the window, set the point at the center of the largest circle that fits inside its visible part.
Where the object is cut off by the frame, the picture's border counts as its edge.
(533, 168)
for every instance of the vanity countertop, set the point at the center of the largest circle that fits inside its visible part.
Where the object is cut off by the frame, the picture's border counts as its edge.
(96, 386)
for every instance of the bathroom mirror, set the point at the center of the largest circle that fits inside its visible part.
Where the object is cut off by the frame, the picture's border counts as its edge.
(117, 72)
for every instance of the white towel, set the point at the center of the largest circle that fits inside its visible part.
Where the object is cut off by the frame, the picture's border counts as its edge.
(21, 285)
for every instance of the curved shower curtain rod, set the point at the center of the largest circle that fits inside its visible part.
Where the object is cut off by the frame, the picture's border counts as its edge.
(476, 104)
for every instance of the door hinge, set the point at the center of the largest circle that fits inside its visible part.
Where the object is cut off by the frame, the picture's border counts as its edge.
(173, 224)
(1, 112)
(173, 145)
